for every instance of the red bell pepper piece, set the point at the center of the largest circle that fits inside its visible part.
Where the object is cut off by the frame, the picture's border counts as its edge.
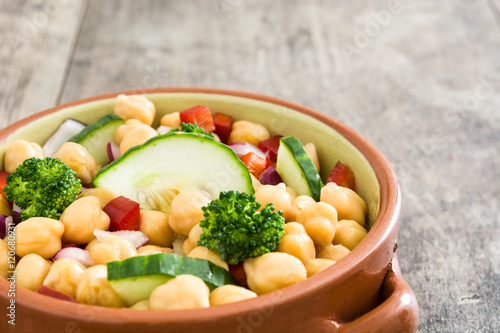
(3, 181)
(342, 175)
(269, 163)
(238, 272)
(199, 115)
(254, 163)
(271, 145)
(124, 214)
(222, 123)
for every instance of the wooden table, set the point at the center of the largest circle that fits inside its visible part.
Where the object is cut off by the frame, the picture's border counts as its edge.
(419, 79)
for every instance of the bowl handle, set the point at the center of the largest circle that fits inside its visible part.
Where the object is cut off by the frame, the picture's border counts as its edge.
(398, 311)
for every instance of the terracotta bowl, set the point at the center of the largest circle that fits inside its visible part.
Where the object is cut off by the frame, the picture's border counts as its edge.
(364, 292)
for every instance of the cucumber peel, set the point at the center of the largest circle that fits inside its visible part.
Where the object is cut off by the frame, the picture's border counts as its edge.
(135, 278)
(296, 168)
(95, 137)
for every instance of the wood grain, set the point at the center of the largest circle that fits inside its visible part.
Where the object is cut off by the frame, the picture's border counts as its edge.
(421, 80)
(36, 46)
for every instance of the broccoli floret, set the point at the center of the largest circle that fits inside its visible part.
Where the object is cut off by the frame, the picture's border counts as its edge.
(233, 227)
(42, 187)
(192, 128)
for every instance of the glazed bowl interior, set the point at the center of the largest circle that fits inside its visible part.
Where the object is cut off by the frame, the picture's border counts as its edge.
(331, 146)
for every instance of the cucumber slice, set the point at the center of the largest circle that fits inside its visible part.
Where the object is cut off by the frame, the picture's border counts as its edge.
(95, 137)
(156, 171)
(135, 278)
(296, 168)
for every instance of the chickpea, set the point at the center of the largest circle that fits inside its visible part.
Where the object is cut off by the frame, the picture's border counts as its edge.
(247, 131)
(91, 244)
(135, 137)
(31, 271)
(185, 211)
(149, 252)
(154, 224)
(349, 233)
(320, 220)
(310, 149)
(95, 289)
(349, 205)
(276, 194)
(141, 305)
(317, 265)
(230, 294)
(296, 242)
(216, 137)
(79, 160)
(64, 276)
(273, 271)
(156, 249)
(4, 207)
(40, 235)
(103, 195)
(112, 248)
(4, 259)
(81, 218)
(18, 152)
(255, 183)
(182, 292)
(321, 229)
(135, 107)
(192, 240)
(291, 192)
(333, 252)
(128, 126)
(298, 204)
(202, 252)
(172, 120)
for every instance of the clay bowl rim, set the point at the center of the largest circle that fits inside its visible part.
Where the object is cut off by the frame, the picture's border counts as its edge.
(387, 219)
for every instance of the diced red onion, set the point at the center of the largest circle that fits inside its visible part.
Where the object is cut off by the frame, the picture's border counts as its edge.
(137, 238)
(4, 222)
(68, 129)
(270, 177)
(3, 226)
(113, 151)
(243, 148)
(80, 255)
(16, 213)
(163, 130)
(100, 234)
(44, 290)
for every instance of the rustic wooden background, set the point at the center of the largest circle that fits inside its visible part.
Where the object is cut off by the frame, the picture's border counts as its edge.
(420, 79)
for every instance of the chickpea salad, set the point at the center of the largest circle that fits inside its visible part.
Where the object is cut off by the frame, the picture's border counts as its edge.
(198, 212)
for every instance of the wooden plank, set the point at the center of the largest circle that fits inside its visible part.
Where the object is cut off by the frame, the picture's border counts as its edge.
(494, 6)
(37, 41)
(225, 44)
